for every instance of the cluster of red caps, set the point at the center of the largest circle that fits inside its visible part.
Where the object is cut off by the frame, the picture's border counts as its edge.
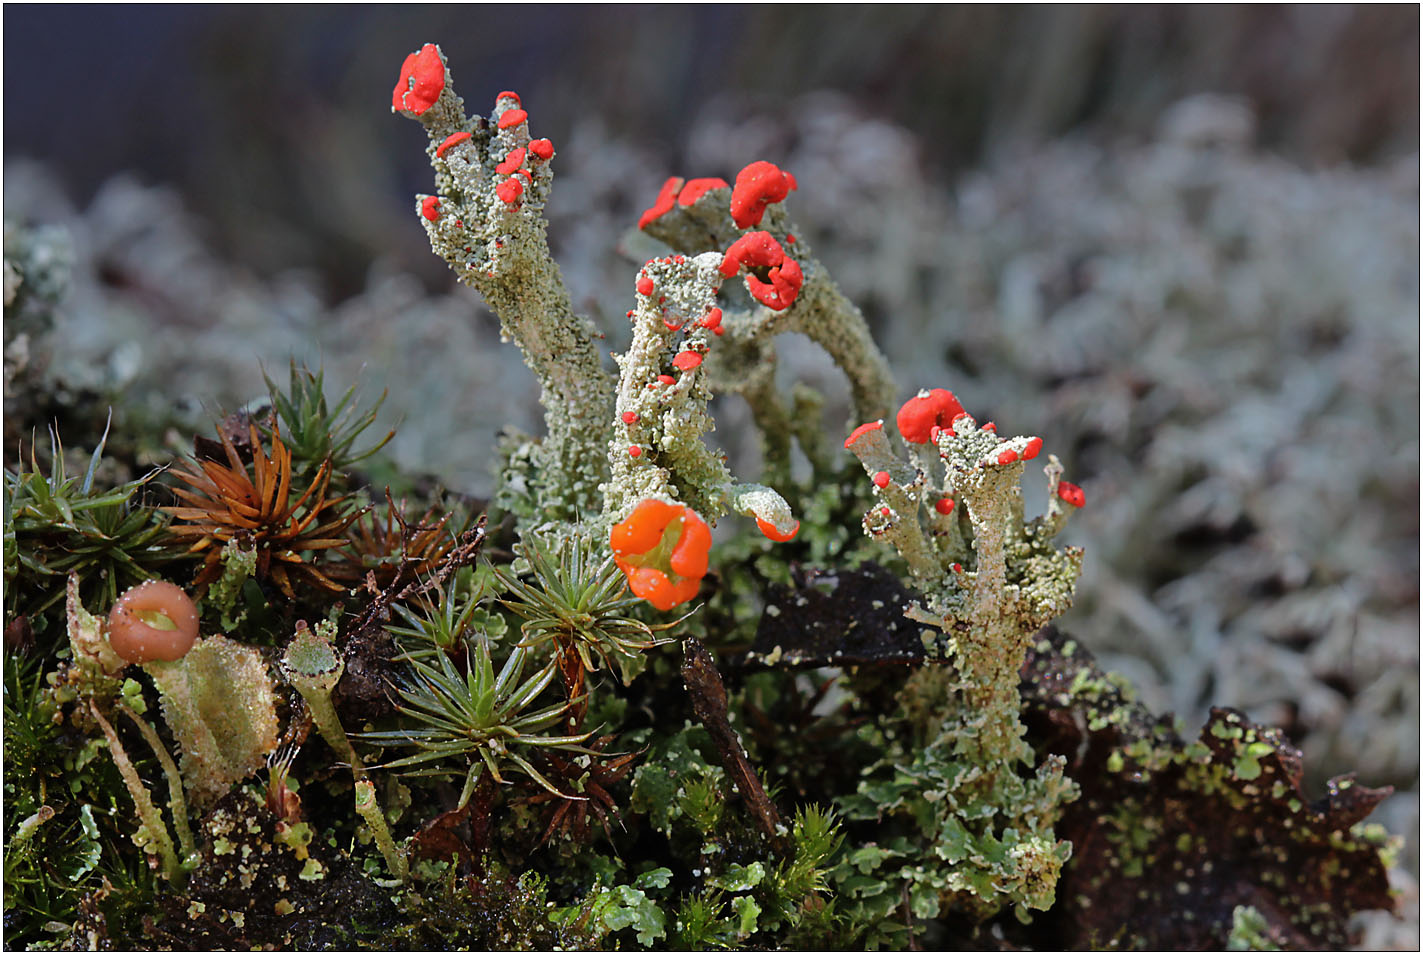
(515, 161)
(774, 278)
(932, 412)
(422, 80)
(662, 548)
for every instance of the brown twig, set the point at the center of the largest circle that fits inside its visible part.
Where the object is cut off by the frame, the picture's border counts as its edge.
(708, 694)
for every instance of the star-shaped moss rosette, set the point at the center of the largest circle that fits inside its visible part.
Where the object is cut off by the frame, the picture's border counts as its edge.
(582, 606)
(259, 511)
(57, 523)
(480, 719)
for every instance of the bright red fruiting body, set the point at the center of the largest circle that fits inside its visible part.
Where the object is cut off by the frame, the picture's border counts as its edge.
(881, 479)
(666, 380)
(760, 250)
(509, 94)
(645, 286)
(925, 411)
(542, 148)
(990, 426)
(753, 250)
(422, 79)
(629, 417)
(662, 548)
(430, 207)
(634, 451)
(512, 117)
(1007, 456)
(944, 505)
(509, 190)
(666, 198)
(757, 186)
(712, 320)
(687, 360)
(453, 139)
(862, 430)
(511, 162)
(696, 188)
(769, 529)
(1033, 447)
(1072, 494)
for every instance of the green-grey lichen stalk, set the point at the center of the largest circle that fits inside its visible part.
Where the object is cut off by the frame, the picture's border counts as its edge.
(987, 588)
(499, 248)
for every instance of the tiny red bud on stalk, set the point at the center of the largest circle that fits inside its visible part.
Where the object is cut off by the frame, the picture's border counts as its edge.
(509, 190)
(512, 117)
(1072, 494)
(454, 139)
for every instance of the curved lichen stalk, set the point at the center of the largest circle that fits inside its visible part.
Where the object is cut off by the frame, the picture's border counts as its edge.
(486, 221)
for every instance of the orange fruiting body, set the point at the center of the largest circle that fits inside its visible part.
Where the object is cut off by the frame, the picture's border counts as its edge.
(774, 533)
(662, 548)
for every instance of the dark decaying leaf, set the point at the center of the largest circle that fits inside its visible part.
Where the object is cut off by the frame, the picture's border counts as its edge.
(837, 618)
(1170, 837)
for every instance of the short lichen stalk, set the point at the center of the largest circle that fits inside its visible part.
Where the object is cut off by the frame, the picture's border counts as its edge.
(154, 832)
(486, 222)
(988, 587)
(312, 666)
(177, 803)
(369, 809)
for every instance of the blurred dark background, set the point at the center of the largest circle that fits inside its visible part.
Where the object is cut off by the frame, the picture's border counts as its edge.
(267, 118)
